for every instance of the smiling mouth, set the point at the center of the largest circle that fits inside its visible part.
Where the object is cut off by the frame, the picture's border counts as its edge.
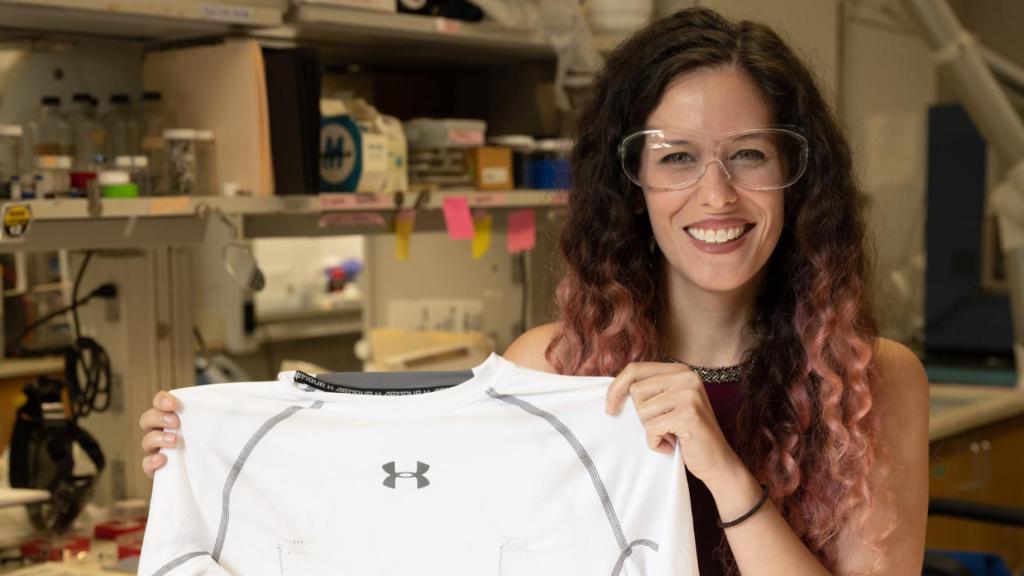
(720, 235)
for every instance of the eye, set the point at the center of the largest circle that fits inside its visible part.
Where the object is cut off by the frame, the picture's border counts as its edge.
(677, 158)
(749, 155)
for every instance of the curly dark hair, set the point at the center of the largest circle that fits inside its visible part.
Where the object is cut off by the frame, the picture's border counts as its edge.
(806, 427)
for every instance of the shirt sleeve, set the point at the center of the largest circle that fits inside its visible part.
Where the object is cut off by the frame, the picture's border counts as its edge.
(178, 539)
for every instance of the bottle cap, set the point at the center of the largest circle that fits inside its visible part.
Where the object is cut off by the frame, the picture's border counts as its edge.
(113, 178)
(180, 134)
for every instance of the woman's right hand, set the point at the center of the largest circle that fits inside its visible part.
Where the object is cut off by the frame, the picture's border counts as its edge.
(158, 423)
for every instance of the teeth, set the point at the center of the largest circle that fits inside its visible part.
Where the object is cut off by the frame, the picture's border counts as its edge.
(719, 236)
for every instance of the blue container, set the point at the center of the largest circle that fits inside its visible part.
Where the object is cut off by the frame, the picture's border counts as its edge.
(549, 167)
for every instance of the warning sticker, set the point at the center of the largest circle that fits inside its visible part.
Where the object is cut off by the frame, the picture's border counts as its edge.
(17, 218)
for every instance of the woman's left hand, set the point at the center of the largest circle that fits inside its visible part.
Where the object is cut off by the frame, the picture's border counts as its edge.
(674, 407)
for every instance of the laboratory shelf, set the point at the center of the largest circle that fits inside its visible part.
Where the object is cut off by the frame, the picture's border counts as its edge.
(126, 223)
(139, 19)
(407, 36)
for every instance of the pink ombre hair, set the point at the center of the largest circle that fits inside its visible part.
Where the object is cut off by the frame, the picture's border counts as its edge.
(808, 427)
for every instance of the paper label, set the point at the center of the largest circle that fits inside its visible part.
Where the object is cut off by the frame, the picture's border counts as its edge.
(226, 13)
(351, 219)
(169, 205)
(457, 218)
(482, 224)
(356, 201)
(17, 218)
(488, 199)
(522, 230)
(495, 175)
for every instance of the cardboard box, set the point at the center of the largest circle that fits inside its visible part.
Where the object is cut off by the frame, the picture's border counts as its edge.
(492, 167)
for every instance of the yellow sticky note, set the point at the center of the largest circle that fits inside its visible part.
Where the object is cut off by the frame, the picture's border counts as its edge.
(404, 222)
(481, 234)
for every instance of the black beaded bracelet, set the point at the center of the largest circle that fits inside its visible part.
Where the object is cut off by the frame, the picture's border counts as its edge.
(764, 498)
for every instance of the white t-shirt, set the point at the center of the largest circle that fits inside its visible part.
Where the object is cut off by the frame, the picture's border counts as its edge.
(511, 472)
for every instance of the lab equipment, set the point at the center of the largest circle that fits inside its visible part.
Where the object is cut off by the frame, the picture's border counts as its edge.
(10, 157)
(353, 148)
(181, 161)
(137, 168)
(89, 135)
(117, 184)
(53, 176)
(49, 134)
(123, 127)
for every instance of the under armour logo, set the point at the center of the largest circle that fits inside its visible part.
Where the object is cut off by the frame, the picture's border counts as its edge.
(421, 480)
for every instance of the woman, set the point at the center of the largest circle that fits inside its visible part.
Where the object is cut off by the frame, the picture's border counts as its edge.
(714, 219)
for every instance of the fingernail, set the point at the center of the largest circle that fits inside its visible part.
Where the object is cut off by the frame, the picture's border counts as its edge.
(169, 420)
(168, 438)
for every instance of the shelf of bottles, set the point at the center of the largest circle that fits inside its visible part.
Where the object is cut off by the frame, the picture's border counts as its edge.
(121, 223)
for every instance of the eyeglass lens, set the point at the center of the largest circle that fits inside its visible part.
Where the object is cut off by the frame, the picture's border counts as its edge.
(760, 159)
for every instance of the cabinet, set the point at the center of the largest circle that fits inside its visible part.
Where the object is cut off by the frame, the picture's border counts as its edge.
(981, 465)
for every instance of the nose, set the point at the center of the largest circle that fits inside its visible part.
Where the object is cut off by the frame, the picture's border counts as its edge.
(714, 187)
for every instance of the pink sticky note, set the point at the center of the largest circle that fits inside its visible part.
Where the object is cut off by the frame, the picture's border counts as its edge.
(522, 231)
(457, 218)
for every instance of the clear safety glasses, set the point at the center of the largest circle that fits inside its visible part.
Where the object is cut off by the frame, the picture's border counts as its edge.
(759, 159)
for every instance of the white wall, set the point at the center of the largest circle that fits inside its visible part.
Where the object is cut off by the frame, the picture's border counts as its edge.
(812, 27)
(888, 83)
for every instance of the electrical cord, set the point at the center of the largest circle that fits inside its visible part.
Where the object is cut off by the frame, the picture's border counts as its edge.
(77, 327)
(102, 291)
(87, 368)
(88, 358)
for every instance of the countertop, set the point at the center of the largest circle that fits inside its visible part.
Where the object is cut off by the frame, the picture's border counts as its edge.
(957, 408)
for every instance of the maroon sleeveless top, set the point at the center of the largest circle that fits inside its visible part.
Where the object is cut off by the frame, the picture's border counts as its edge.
(710, 539)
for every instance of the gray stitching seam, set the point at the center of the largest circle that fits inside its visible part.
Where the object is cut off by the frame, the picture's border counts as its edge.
(588, 463)
(628, 551)
(178, 562)
(236, 470)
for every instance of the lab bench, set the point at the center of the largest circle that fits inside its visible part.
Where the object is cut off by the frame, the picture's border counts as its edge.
(976, 454)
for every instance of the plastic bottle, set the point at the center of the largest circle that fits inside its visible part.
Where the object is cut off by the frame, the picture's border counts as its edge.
(53, 176)
(89, 135)
(123, 127)
(49, 133)
(117, 184)
(89, 141)
(154, 120)
(137, 168)
(10, 157)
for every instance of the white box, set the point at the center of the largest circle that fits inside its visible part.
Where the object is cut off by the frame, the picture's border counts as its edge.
(378, 5)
